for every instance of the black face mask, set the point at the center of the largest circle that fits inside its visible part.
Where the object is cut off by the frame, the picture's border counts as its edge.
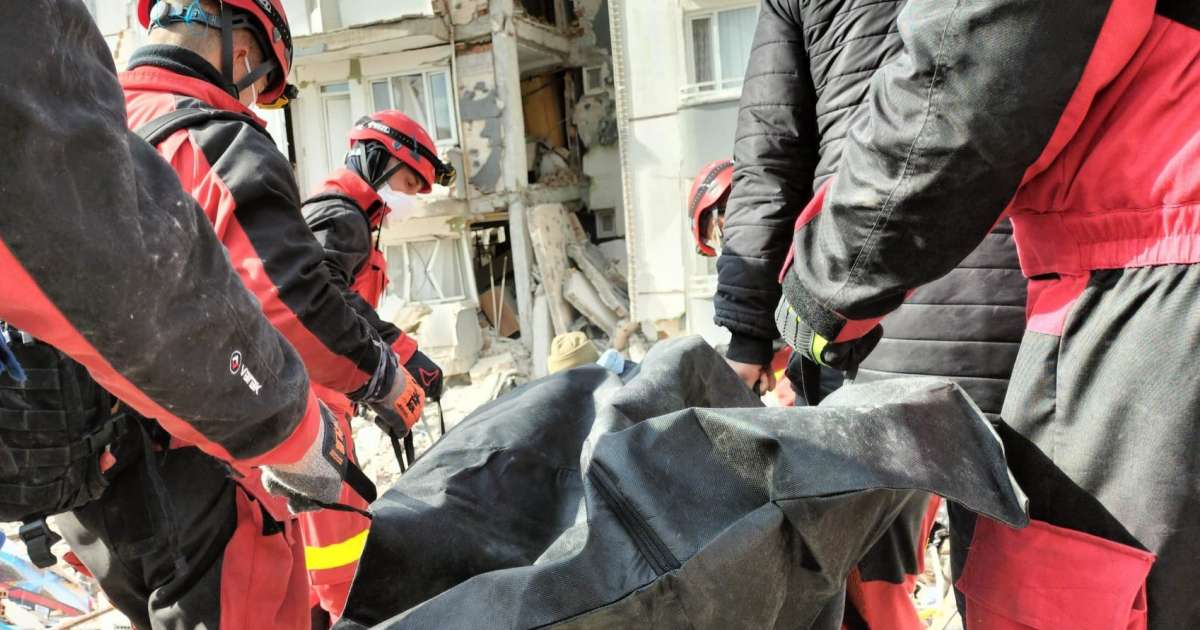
(370, 159)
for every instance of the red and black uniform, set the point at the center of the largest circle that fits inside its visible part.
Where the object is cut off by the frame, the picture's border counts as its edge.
(94, 220)
(247, 547)
(345, 216)
(1072, 118)
(102, 255)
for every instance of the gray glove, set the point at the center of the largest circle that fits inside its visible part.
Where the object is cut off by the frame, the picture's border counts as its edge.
(316, 480)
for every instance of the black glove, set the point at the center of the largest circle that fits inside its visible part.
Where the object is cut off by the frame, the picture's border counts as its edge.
(427, 374)
(805, 341)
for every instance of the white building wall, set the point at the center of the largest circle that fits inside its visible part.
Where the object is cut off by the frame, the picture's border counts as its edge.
(670, 137)
(357, 12)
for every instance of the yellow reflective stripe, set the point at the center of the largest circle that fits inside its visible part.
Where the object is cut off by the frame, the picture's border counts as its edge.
(818, 346)
(337, 554)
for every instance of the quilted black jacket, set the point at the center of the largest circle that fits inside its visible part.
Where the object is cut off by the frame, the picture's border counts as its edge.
(810, 69)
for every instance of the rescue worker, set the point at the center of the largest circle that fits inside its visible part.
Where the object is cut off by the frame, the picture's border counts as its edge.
(391, 158)
(967, 326)
(112, 222)
(1071, 118)
(244, 558)
(884, 598)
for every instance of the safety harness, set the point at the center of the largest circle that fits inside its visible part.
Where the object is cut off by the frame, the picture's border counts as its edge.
(63, 439)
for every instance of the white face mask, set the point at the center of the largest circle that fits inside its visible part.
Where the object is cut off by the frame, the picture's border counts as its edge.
(402, 205)
(254, 90)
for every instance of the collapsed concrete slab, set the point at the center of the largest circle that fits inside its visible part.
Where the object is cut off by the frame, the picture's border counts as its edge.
(607, 282)
(549, 240)
(450, 335)
(583, 296)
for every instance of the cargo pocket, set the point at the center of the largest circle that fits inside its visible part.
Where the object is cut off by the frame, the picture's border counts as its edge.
(263, 582)
(1045, 577)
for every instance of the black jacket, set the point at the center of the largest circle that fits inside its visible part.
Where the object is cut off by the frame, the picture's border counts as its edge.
(810, 70)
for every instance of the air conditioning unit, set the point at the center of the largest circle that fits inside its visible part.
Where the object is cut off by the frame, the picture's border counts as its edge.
(606, 223)
(593, 80)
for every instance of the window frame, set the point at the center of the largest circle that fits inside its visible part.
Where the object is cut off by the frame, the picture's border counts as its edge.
(446, 245)
(717, 87)
(427, 85)
(328, 138)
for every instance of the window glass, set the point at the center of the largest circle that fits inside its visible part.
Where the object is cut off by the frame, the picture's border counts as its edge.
(335, 101)
(408, 96)
(426, 271)
(439, 88)
(381, 96)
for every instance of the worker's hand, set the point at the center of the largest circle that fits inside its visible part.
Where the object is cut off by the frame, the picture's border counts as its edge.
(401, 408)
(803, 339)
(427, 374)
(759, 378)
(317, 478)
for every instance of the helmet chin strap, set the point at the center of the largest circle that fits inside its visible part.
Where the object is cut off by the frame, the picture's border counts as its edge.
(227, 70)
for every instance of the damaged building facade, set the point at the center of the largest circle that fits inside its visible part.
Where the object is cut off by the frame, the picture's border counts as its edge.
(518, 96)
(574, 154)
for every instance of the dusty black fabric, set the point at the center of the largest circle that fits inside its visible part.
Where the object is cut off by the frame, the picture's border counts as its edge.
(345, 235)
(810, 66)
(98, 220)
(671, 500)
(810, 70)
(949, 127)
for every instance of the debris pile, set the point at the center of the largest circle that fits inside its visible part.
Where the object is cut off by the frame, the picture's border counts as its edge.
(581, 288)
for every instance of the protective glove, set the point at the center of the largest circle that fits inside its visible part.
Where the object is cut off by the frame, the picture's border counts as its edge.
(316, 480)
(805, 341)
(401, 407)
(427, 374)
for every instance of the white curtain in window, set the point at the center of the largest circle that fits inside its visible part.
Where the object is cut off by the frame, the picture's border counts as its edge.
(702, 52)
(409, 97)
(736, 28)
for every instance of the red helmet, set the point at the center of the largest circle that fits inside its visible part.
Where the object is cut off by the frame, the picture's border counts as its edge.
(407, 140)
(710, 190)
(266, 19)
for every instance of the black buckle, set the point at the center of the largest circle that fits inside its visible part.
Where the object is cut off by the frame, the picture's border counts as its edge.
(38, 539)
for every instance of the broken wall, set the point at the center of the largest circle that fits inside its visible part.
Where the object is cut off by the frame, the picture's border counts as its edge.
(480, 110)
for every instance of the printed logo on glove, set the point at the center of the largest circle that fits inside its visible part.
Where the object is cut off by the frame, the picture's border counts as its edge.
(427, 374)
(845, 355)
(402, 408)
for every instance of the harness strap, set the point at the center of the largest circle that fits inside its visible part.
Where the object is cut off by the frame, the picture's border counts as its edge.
(35, 420)
(159, 129)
